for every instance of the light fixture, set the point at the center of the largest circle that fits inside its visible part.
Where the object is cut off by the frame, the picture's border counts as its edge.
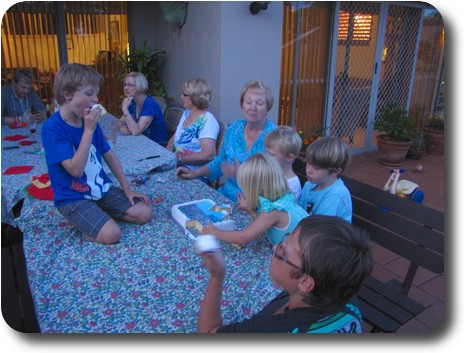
(257, 6)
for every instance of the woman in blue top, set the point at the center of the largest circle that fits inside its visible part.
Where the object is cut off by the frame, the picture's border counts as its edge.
(242, 139)
(141, 113)
(267, 198)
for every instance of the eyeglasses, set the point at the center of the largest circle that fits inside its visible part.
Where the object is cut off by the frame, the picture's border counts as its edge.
(129, 85)
(277, 249)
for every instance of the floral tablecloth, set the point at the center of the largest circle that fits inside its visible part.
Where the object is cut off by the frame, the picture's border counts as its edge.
(150, 281)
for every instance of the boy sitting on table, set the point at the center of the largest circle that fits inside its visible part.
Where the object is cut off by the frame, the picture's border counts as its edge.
(74, 146)
(321, 267)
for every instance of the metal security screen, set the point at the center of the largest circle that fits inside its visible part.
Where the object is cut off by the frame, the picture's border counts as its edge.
(355, 59)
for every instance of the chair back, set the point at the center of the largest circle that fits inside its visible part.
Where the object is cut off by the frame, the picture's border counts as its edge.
(172, 118)
(162, 103)
(220, 136)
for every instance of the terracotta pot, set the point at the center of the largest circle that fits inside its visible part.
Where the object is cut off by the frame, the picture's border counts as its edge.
(391, 152)
(415, 154)
(435, 141)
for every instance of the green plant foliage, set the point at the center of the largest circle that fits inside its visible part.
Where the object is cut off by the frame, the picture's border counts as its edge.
(148, 61)
(395, 123)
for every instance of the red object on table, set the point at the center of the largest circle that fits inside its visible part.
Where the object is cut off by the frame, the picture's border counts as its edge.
(18, 169)
(14, 137)
(40, 188)
(25, 143)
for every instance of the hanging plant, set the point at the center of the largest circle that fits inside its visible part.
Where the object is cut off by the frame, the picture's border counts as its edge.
(174, 12)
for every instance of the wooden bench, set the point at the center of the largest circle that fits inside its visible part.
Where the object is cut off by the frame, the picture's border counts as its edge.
(413, 231)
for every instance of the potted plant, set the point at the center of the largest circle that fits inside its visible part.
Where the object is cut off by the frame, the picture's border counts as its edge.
(418, 145)
(395, 130)
(314, 133)
(435, 135)
(148, 62)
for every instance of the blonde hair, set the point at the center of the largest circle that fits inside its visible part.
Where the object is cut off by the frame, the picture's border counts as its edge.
(199, 91)
(259, 86)
(285, 140)
(141, 83)
(328, 153)
(261, 175)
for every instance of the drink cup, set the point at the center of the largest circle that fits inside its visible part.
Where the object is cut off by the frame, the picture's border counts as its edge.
(112, 126)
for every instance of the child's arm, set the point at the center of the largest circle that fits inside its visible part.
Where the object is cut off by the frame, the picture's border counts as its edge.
(115, 166)
(76, 165)
(256, 228)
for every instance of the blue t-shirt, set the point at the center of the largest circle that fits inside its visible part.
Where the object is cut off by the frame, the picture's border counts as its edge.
(334, 200)
(61, 141)
(157, 130)
(234, 146)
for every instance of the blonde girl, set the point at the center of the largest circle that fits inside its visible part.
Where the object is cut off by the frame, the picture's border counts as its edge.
(267, 198)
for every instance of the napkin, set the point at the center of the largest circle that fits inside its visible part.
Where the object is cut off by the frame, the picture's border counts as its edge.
(40, 188)
(18, 169)
(25, 143)
(14, 137)
(15, 126)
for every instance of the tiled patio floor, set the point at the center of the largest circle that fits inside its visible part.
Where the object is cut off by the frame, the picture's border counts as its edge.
(428, 288)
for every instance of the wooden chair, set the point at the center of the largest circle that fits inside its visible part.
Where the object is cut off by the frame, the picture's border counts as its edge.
(172, 118)
(162, 103)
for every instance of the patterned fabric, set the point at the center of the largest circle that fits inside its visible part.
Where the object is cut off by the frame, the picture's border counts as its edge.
(187, 140)
(234, 146)
(61, 141)
(151, 281)
(288, 204)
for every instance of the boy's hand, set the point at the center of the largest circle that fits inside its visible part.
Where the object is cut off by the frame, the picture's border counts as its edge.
(132, 195)
(215, 263)
(91, 117)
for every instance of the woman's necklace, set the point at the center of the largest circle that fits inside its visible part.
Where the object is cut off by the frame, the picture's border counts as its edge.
(139, 107)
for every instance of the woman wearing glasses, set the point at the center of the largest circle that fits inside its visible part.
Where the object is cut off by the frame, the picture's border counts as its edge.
(194, 141)
(141, 113)
(321, 267)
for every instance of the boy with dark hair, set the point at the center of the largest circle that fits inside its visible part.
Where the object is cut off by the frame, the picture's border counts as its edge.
(321, 267)
(325, 193)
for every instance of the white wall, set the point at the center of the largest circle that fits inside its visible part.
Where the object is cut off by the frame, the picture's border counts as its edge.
(222, 42)
(251, 50)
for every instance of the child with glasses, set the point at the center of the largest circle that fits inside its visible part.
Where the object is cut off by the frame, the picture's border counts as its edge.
(284, 144)
(321, 267)
(267, 198)
(324, 192)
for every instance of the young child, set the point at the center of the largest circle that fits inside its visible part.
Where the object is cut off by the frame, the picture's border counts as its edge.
(74, 146)
(284, 144)
(266, 196)
(320, 267)
(324, 193)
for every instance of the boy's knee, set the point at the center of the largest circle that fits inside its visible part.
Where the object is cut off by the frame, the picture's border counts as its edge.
(144, 215)
(109, 234)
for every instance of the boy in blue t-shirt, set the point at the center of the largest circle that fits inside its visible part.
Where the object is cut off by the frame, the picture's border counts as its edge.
(325, 193)
(74, 146)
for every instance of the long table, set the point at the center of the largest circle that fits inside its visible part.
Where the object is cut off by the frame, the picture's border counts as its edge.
(131, 151)
(150, 281)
